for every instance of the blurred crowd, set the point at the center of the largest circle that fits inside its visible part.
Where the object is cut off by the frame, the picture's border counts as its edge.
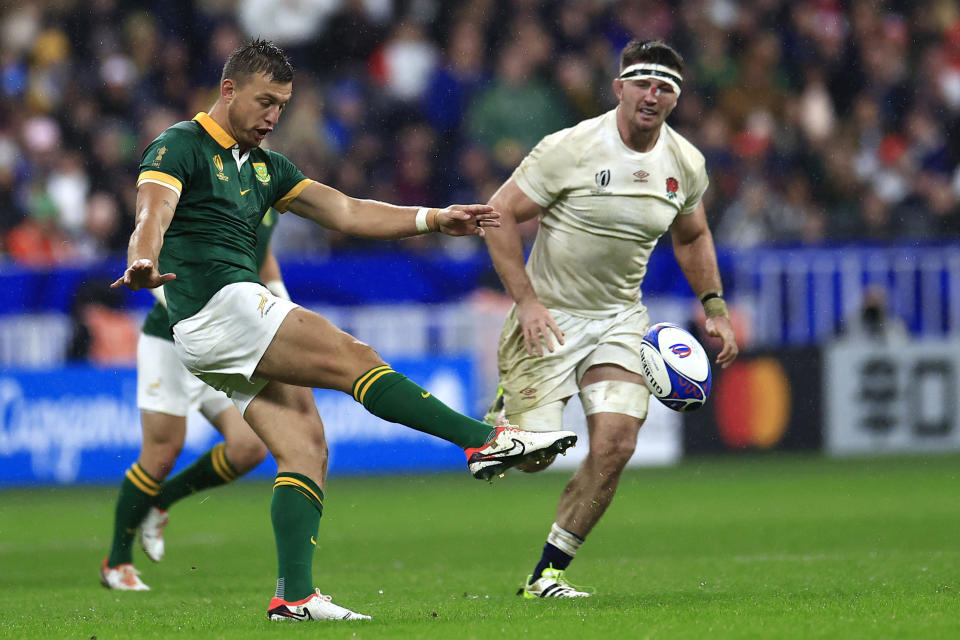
(821, 120)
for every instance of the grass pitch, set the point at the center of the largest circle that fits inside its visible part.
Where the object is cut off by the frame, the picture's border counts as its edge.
(769, 547)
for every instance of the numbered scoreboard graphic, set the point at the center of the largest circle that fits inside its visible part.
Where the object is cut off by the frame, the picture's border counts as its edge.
(892, 398)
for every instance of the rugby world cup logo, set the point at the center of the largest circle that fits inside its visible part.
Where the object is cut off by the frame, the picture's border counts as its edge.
(681, 350)
(218, 165)
(602, 178)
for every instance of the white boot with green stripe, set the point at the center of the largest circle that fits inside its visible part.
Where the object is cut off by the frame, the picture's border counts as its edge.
(551, 584)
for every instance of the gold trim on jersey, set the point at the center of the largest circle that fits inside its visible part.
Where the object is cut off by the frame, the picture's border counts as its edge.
(215, 130)
(284, 202)
(159, 176)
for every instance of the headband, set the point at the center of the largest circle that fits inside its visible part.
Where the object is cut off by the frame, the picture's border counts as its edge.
(644, 70)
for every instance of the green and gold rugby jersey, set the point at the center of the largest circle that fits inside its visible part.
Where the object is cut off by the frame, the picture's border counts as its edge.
(157, 322)
(211, 241)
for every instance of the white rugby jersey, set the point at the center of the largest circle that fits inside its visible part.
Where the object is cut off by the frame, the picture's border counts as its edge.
(606, 207)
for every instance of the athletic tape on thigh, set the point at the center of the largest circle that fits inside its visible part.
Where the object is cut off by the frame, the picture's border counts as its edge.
(615, 396)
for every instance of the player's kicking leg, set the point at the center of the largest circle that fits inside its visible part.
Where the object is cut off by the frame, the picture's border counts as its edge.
(309, 351)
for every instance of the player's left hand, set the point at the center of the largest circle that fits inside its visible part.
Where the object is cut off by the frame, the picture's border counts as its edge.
(719, 327)
(142, 274)
(467, 219)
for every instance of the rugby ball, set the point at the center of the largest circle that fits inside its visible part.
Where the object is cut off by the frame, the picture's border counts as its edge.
(675, 367)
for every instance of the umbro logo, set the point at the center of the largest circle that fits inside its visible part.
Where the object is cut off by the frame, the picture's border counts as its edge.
(640, 176)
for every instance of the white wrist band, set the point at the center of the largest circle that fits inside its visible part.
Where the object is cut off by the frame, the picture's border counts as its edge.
(159, 295)
(422, 226)
(277, 288)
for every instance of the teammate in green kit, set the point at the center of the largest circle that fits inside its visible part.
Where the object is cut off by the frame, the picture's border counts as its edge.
(203, 187)
(166, 392)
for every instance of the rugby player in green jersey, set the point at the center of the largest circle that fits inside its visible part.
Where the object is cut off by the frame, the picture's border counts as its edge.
(203, 187)
(166, 392)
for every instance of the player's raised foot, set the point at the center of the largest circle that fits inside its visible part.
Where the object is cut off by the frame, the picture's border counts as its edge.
(550, 584)
(496, 416)
(151, 533)
(509, 446)
(315, 607)
(122, 577)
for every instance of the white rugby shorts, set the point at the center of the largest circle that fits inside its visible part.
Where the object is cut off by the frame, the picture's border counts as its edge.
(165, 386)
(222, 344)
(548, 381)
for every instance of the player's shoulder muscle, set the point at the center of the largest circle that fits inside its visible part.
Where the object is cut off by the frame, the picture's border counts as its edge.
(690, 157)
(575, 141)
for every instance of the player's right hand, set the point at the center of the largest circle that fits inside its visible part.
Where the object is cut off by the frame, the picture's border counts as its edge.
(142, 274)
(537, 325)
(719, 327)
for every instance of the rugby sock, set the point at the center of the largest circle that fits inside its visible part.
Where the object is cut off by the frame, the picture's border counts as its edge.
(212, 469)
(295, 512)
(137, 492)
(559, 551)
(394, 397)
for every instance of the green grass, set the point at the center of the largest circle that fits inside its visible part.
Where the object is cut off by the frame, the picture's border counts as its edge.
(769, 547)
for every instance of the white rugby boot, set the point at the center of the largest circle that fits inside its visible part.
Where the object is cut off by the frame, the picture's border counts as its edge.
(122, 577)
(315, 607)
(551, 584)
(151, 533)
(510, 446)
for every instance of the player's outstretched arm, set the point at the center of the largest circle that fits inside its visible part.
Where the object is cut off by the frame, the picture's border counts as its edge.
(381, 221)
(155, 207)
(506, 252)
(695, 253)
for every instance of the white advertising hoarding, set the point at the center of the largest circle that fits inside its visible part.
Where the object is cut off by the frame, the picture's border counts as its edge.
(884, 398)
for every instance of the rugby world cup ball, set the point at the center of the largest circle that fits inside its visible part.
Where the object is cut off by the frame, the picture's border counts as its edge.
(675, 367)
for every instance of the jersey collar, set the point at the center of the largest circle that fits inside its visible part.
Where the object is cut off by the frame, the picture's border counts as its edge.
(215, 130)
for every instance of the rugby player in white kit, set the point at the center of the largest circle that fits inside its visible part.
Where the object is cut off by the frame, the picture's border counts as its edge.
(605, 191)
